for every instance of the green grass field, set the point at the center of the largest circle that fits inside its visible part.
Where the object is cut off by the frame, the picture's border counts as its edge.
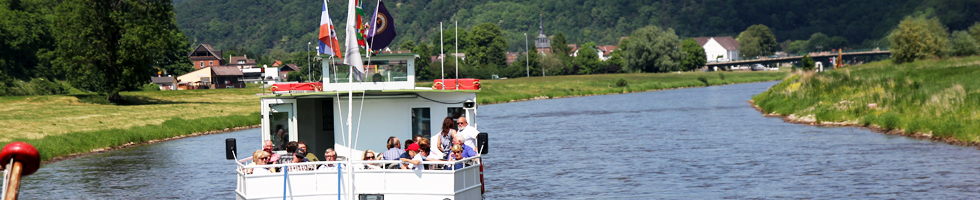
(940, 98)
(499, 91)
(61, 125)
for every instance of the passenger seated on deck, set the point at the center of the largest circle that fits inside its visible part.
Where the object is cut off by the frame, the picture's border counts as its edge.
(412, 157)
(455, 154)
(267, 147)
(394, 149)
(329, 155)
(309, 155)
(259, 157)
(369, 156)
(298, 157)
(288, 157)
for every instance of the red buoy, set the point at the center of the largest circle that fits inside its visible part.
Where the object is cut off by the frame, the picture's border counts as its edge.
(24, 153)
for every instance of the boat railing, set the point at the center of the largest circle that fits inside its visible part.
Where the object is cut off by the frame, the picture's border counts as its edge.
(387, 181)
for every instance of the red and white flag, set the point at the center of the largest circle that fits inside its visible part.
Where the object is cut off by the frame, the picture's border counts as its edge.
(328, 37)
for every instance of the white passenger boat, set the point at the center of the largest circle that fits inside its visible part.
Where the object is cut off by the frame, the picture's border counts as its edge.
(386, 104)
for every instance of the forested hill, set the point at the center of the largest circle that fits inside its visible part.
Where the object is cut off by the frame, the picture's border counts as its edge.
(261, 25)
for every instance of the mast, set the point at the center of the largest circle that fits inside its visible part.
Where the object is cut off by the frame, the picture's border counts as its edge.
(442, 61)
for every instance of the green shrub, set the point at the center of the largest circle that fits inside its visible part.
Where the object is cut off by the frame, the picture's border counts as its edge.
(721, 75)
(621, 82)
(703, 79)
(889, 121)
(150, 87)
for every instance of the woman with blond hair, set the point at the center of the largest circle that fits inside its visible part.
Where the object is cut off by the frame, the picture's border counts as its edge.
(259, 157)
(370, 156)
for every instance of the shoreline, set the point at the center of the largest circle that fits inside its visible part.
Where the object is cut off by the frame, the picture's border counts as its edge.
(132, 144)
(809, 121)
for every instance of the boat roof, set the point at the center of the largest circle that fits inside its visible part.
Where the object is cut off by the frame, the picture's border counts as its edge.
(365, 92)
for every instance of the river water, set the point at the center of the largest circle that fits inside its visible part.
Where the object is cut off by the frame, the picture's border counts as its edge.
(697, 143)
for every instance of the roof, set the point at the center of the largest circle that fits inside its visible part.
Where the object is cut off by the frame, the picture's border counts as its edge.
(226, 71)
(277, 63)
(726, 42)
(606, 49)
(165, 79)
(234, 60)
(289, 67)
(206, 47)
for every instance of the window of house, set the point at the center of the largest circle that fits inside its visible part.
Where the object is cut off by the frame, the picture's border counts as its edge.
(241, 62)
(211, 63)
(202, 63)
(421, 122)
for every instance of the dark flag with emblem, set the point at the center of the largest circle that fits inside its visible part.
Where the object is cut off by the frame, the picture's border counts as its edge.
(382, 32)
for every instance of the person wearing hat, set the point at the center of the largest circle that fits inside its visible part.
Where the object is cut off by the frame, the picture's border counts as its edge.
(416, 158)
(298, 157)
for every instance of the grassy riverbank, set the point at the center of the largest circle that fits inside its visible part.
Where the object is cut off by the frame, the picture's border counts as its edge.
(499, 91)
(937, 99)
(60, 125)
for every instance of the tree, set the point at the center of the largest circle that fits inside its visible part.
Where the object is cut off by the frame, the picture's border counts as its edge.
(975, 31)
(757, 40)
(652, 49)
(25, 31)
(559, 45)
(818, 42)
(694, 56)
(615, 62)
(808, 63)
(962, 44)
(917, 38)
(294, 76)
(424, 69)
(110, 46)
(487, 46)
(523, 63)
(588, 59)
(797, 46)
(407, 45)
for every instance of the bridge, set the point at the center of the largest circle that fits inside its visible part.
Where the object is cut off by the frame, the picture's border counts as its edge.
(817, 56)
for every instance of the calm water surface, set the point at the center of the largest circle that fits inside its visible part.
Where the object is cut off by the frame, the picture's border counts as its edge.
(698, 143)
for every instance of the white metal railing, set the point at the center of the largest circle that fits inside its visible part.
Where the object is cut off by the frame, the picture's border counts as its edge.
(323, 183)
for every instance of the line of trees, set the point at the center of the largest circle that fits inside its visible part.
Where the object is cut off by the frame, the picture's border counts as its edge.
(103, 46)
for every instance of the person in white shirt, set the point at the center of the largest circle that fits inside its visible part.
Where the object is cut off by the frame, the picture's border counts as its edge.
(329, 155)
(467, 133)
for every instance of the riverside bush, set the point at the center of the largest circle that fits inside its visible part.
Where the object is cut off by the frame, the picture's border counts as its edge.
(621, 82)
(703, 79)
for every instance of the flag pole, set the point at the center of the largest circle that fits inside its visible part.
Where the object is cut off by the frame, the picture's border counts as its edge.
(457, 54)
(442, 61)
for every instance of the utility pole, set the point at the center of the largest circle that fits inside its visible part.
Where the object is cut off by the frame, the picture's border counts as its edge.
(527, 61)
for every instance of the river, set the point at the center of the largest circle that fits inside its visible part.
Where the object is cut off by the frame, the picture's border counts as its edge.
(696, 143)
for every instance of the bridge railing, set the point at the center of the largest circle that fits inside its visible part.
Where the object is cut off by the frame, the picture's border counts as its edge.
(818, 53)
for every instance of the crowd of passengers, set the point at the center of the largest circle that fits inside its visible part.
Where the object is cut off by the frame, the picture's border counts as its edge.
(451, 144)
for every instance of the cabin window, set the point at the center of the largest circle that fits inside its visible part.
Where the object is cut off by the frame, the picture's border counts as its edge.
(421, 122)
(455, 113)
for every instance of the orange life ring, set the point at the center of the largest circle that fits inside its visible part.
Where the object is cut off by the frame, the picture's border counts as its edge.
(437, 85)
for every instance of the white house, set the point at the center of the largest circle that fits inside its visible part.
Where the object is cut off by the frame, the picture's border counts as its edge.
(726, 47)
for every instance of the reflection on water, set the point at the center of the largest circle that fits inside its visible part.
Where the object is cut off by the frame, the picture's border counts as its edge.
(698, 143)
(190, 168)
(705, 143)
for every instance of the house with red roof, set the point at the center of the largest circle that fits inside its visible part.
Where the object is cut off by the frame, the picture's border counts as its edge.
(719, 49)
